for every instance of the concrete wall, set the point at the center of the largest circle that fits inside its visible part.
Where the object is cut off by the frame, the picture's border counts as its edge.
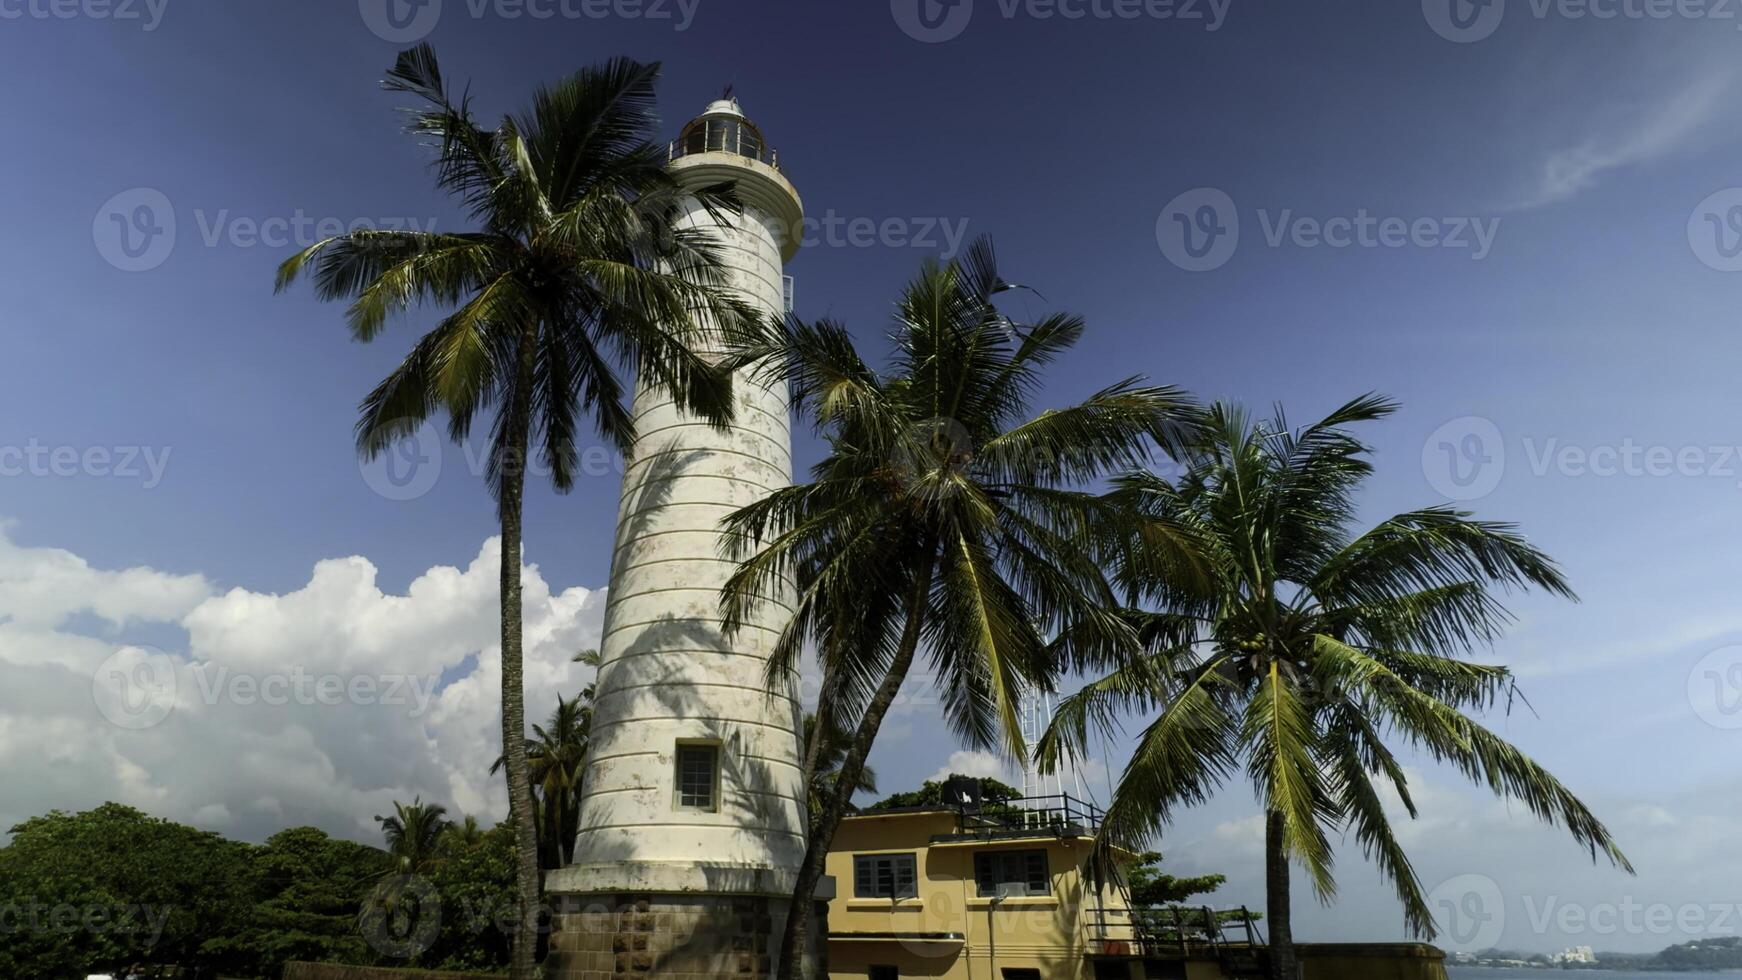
(1372, 961)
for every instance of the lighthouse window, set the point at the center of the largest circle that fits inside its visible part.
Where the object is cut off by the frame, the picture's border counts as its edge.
(698, 775)
(884, 876)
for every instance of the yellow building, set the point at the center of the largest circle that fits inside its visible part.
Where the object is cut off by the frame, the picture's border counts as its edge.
(1003, 893)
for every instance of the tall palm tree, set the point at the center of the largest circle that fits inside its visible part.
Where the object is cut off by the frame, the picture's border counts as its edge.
(826, 763)
(556, 757)
(577, 268)
(941, 514)
(1282, 643)
(412, 834)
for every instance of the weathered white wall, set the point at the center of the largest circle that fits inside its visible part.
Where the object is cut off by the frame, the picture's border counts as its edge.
(667, 673)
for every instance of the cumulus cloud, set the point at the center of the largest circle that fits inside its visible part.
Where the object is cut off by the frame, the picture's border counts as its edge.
(973, 763)
(318, 706)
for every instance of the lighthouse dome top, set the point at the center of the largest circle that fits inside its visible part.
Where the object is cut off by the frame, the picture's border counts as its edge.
(723, 128)
(724, 107)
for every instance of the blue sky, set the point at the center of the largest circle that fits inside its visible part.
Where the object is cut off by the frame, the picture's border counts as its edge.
(1545, 279)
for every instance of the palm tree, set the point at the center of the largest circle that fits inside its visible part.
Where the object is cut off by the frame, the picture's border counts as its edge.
(827, 763)
(412, 834)
(578, 268)
(465, 834)
(941, 513)
(556, 757)
(1281, 643)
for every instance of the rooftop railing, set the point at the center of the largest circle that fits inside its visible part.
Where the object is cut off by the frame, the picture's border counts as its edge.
(723, 135)
(1171, 931)
(1028, 816)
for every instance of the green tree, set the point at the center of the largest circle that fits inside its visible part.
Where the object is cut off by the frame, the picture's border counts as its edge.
(931, 793)
(1282, 643)
(578, 267)
(305, 890)
(826, 763)
(475, 883)
(1150, 886)
(412, 834)
(556, 756)
(464, 834)
(941, 513)
(112, 887)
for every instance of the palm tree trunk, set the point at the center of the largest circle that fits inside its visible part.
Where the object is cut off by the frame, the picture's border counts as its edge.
(516, 428)
(852, 768)
(1282, 961)
(820, 722)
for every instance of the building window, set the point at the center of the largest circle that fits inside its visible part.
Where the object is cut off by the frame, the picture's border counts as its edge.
(1112, 970)
(1020, 973)
(885, 876)
(995, 868)
(698, 776)
(884, 973)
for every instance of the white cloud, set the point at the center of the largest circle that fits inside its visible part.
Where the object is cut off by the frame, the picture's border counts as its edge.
(241, 755)
(42, 587)
(973, 763)
(1625, 136)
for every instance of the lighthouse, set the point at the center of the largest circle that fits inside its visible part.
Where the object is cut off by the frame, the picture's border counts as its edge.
(694, 813)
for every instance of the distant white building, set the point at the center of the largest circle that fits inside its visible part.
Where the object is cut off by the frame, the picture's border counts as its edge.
(1575, 954)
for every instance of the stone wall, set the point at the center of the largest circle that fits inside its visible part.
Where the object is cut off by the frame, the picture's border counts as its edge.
(334, 971)
(672, 937)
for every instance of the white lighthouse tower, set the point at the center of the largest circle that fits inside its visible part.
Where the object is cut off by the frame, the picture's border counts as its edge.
(694, 814)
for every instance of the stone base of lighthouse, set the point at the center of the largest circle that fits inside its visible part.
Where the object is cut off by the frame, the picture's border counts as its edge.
(671, 936)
